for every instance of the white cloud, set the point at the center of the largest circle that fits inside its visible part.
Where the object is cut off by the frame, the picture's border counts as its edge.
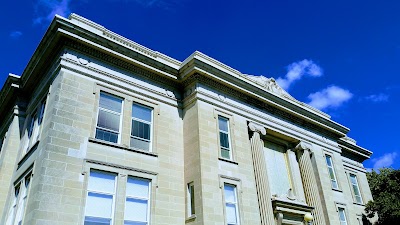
(47, 9)
(378, 98)
(384, 161)
(330, 97)
(15, 34)
(297, 70)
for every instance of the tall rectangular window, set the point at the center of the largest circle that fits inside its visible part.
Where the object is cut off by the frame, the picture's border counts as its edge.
(99, 208)
(141, 127)
(17, 209)
(224, 139)
(31, 132)
(109, 118)
(277, 168)
(137, 205)
(331, 171)
(231, 205)
(356, 189)
(190, 200)
(39, 121)
(342, 216)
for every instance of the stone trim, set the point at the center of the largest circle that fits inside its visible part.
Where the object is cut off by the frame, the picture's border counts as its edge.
(120, 167)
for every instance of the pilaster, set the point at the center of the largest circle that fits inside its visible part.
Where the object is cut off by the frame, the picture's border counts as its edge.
(310, 183)
(261, 177)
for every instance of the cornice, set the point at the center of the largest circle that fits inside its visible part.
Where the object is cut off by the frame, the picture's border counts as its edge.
(192, 94)
(352, 148)
(82, 48)
(90, 38)
(111, 36)
(260, 104)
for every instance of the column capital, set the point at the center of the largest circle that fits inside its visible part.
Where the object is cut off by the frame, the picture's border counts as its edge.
(257, 128)
(302, 145)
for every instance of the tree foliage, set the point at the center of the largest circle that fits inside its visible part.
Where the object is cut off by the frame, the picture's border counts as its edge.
(385, 188)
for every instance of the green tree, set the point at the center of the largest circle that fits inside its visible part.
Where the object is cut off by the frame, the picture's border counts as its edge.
(385, 188)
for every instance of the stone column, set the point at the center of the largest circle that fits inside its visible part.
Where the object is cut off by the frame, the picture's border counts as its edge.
(260, 172)
(310, 182)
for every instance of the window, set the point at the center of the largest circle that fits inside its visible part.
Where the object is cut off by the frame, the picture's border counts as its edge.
(277, 168)
(31, 131)
(99, 208)
(40, 120)
(331, 171)
(224, 139)
(141, 127)
(137, 206)
(231, 204)
(356, 189)
(2, 142)
(109, 118)
(17, 208)
(342, 216)
(190, 200)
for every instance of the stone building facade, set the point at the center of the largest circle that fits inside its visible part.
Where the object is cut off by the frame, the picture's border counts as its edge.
(101, 130)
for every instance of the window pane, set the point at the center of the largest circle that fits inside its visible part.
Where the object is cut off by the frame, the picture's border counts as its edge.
(224, 140)
(192, 206)
(99, 205)
(328, 160)
(223, 124)
(106, 136)
(101, 181)
(141, 112)
(140, 144)
(229, 193)
(108, 120)
(110, 102)
(137, 187)
(231, 213)
(134, 223)
(96, 221)
(136, 209)
(342, 216)
(140, 129)
(225, 153)
(334, 184)
(331, 173)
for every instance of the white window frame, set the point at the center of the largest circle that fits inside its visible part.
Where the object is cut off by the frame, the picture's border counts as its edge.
(135, 197)
(40, 119)
(235, 203)
(150, 141)
(16, 212)
(121, 184)
(229, 137)
(288, 164)
(342, 209)
(226, 180)
(105, 193)
(358, 188)
(333, 171)
(190, 200)
(99, 108)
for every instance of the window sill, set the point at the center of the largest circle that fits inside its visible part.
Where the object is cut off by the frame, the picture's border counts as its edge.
(190, 218)
(228, 160)
(336, 189)
(29, 152)
(360, 204)
(97, 141)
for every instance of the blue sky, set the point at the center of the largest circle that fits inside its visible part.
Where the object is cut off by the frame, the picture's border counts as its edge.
(342, 57)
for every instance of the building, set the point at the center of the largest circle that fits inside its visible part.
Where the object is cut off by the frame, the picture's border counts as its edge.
(101, 130)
